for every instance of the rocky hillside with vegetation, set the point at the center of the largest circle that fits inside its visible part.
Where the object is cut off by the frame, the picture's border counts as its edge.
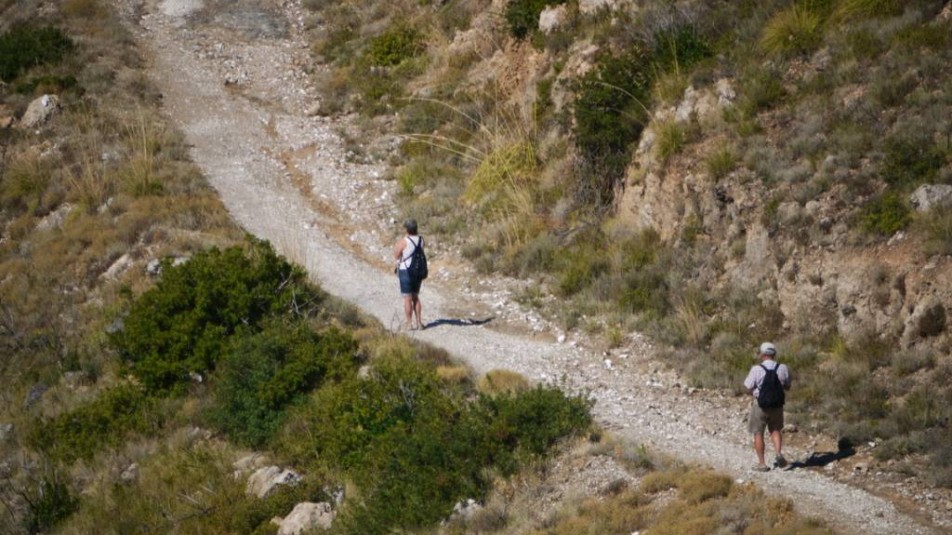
(710, 174)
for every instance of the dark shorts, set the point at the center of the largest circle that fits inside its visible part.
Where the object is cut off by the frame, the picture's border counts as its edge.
(408, 285)
(760, 419)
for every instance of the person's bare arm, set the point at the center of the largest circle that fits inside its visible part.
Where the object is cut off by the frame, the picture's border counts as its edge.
(398, 249)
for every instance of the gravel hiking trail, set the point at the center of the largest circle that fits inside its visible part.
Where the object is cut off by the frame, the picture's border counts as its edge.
(234, 78)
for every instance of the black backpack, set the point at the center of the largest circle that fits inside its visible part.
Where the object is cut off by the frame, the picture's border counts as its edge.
(771, 393)
(417, 269)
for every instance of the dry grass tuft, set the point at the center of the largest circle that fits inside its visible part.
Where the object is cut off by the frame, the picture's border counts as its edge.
(502, 382)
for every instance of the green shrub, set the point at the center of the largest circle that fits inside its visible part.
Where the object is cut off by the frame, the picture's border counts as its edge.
(184, 322)
(399, 43)
(610, 113)
(910, 162)
(415, 445)
(106, 421)
(263, 373)
(523, 15)
(793, 31)
(886, 215)
(762, 89)
(679, 48)
(721, 162)
(23, 47)
(48, 504)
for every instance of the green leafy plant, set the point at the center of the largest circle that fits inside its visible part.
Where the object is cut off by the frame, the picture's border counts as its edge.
(106, 421)
(23, 47)
(183, 324)
(264, 373)
(399, 43)
(886, 215)
(48, 504)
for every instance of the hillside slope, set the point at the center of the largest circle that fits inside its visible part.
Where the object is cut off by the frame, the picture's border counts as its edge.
(239, 98)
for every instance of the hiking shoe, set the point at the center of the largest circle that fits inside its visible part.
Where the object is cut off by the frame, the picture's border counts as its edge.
(780, 461)
(760, 468)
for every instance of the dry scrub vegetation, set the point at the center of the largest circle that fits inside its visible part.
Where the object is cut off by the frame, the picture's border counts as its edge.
(128, 397)
(835, 99)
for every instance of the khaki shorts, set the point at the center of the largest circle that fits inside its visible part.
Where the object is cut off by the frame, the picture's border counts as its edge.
(761, 419)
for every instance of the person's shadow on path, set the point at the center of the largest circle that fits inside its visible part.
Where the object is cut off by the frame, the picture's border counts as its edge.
(457, 322)
(824, 458)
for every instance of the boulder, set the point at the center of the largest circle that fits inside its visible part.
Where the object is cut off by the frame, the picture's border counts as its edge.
(39, 111)
(248, 464)
(588, 7)
(928, 319)
(266, 479)
(929, 196)
(130, 475)
(6, 432)
(552, 18)
(307, 516)
(56, 218)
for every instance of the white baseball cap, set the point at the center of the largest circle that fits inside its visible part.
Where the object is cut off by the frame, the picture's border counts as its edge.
(767, 348)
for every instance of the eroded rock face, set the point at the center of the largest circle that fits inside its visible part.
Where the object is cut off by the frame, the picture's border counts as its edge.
(793, 252)
(307, 516)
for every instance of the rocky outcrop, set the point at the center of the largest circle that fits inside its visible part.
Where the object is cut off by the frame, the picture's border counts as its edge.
(929, 196)
(795, 254)
(39, 111)
(306, 517)
(552, 18)
(265, 480)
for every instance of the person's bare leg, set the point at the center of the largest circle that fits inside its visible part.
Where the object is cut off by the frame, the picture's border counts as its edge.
(759, 448)
(408, 310)
(777, 438)
(418, 310)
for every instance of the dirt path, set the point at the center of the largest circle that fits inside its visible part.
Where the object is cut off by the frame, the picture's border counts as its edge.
(232, 76)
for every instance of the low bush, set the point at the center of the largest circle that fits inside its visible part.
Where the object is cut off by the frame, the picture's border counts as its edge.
(796, 30)
(49, 502)
(263, 373)
(415, 445)
(909, 162)
(106, 421)
(399, 43)
(496, 382)
(886, 215)
(183, 324)
(23, 47)
(762, 88)
(522, 16)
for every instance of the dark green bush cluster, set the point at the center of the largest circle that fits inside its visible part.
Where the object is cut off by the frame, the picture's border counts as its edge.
(265, 372)
(612, 103)
(24, 47)
(105, 421)
(183, 324)
(611, 110)
(47, 504)
(523, 15)
(415, 445)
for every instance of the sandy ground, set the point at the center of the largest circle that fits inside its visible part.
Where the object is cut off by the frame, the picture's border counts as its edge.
(233, 77)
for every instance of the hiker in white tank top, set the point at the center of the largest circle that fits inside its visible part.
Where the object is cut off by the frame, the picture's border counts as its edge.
(409, 288)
